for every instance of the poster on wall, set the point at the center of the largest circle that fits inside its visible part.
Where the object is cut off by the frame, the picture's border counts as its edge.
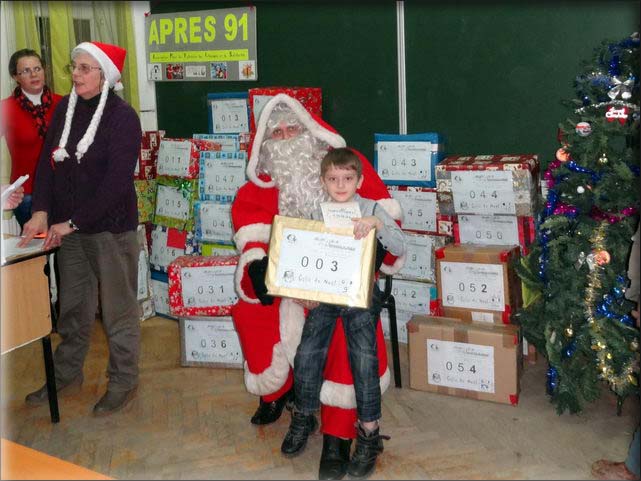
(211, 45)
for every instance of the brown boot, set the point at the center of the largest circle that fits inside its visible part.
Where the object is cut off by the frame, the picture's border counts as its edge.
(113, 401)
(604, 469)
(39, 397)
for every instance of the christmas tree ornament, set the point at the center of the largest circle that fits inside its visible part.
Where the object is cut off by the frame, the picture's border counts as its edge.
(620, 114)
(583, 129)
(634, 345)
(580, 189)
(603, 159)
(562, 155)
(602, 257)
(569, 332)
(621, 88)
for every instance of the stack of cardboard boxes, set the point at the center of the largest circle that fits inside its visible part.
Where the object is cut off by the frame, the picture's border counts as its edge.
(473, 349)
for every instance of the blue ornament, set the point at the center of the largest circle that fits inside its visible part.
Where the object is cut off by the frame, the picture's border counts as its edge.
(552, 380)
(570, 349)
(627, 320)
(618, 292)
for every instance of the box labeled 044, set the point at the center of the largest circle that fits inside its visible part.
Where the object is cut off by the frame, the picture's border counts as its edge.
(209, 341)
(465, 359)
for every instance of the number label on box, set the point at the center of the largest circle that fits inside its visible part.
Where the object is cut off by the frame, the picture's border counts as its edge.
(472, 286)
(229, 116)
(215, 221)
(488, 229)
(171, 203)
(222, 176)
(404, 160)
(418, 257)
(161, 254)
(460, 365)
(483, 192)
(211, 341)
(174, 157)
(419, 209)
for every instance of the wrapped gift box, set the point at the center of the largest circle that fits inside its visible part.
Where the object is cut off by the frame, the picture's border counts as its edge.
(470, 360)
(419, 256)
(502, 230)
(488, 184)
(478, 283)
(419, 206)
(310, 97)
(411, 298)
(209, 342)
(151, 139)
(167, 244)
(213, 249)
(408, 159)
(144, 292)
(146, 198)
(175, 198)
(160, 289)
(308, 260)
(180, 157)
(202, 286)
(213, 222)
(220, 142)
(146, 165)
(221, 175)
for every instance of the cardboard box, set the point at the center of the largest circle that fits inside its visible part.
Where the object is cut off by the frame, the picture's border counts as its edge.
(213, 249)
(209, 342)
(488, 184)
(478, 283)
(167, 244)
(470, 360)
(202, 286)
(308, 260)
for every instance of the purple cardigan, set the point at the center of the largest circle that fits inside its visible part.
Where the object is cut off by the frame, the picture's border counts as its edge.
(98, 193)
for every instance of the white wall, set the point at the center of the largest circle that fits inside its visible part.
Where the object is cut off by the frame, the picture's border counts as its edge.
(146, 88)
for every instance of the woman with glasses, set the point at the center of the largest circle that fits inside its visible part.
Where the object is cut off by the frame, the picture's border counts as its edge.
(24, 118)
(85, 201)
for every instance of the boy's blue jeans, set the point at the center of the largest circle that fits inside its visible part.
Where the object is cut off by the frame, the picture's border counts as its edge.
(360, 331)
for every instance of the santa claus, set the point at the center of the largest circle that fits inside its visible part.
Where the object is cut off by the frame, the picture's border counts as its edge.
(284, 179)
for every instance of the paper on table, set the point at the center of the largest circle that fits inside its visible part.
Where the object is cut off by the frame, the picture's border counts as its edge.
(340, 214)
(10, 247)
(7, 192)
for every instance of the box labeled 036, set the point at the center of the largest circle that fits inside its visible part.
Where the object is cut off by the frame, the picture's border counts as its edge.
(209, 341)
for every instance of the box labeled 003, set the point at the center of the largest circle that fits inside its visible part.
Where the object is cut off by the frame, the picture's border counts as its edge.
(209, 341)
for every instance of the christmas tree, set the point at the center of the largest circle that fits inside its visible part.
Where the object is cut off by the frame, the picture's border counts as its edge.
(576, 312)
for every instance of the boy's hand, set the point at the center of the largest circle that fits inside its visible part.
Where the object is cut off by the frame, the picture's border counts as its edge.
(363, 225)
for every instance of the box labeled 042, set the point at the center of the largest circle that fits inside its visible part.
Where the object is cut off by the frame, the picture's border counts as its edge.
(465, 359)
(478, 283)
(209, 341)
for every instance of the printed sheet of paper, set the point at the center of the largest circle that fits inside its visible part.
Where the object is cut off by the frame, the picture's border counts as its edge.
(308, 260)
(340, 214)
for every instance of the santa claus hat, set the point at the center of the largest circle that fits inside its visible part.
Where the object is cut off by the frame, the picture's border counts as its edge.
(317, 129)
(111, 59)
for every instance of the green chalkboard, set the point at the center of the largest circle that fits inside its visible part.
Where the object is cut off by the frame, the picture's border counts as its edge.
(347, 50)
(490, 76)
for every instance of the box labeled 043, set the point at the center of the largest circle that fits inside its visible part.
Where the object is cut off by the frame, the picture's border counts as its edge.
(465, 359)
(209, 341)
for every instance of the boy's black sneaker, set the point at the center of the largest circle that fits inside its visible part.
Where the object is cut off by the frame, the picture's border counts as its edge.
(299, 430)
(368, 447)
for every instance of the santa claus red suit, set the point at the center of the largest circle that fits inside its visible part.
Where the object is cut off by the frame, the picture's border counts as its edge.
(284, 178)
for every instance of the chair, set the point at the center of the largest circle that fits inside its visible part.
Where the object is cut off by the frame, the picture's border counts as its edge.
(389, 303)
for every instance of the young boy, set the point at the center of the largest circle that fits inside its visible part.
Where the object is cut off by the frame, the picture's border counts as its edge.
(341, 176)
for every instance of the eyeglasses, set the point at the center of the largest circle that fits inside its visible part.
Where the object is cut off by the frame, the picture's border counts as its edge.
(83, 68)
(29, 71)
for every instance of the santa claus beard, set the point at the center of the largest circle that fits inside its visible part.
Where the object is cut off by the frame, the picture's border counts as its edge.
(294, 165)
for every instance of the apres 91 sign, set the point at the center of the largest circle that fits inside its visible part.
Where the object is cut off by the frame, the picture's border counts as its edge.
(202, 45)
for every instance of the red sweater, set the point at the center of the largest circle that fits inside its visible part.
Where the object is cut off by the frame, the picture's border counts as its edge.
(21, 134)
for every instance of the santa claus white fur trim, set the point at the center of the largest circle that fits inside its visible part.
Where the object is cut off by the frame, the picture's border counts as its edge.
(292, 319)
(343, 395)
(392, 207)
(272, 378)
(252, 233)
(331, 138)
(251, 255)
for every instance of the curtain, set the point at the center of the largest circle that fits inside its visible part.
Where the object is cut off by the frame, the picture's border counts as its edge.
(63, 40)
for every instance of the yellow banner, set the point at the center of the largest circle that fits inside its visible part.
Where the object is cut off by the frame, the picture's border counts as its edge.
(199, 56)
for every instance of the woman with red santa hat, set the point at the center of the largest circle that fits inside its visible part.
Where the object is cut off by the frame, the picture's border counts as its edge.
(84, 199)
(283, 172)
